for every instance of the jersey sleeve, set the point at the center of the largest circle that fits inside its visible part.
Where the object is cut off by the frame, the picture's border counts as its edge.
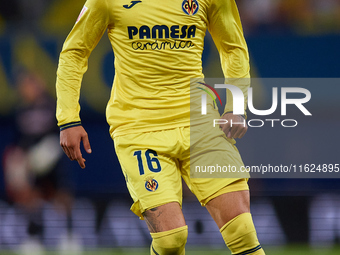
(226, 30)
(73, 61)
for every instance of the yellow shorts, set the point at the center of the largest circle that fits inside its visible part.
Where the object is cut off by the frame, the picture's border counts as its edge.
(154, 162)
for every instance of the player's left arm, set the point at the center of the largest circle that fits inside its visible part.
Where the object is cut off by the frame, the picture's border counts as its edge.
(226, 30)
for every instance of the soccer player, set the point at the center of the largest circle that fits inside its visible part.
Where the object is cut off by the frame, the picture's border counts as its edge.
(158, 47)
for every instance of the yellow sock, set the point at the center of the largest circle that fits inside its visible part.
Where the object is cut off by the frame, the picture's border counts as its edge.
(239, 234)
(169, 242)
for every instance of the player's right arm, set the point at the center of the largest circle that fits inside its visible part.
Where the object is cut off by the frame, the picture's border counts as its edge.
(86, 33)
(226, 30)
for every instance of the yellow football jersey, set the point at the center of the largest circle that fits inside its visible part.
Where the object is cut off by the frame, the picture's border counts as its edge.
(158, 47)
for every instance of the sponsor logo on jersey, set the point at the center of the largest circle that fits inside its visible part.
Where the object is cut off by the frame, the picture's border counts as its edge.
(151, 185)
(190, 7)
(161, 32)
(81, 13)
(172, 37)
(132, 4)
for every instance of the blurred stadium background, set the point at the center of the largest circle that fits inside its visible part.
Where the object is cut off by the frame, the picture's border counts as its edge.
(286, 38)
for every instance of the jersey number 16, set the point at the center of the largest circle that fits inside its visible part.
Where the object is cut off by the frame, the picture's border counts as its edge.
(153, 162)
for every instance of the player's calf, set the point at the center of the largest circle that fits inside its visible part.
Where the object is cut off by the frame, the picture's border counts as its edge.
(231, 212)
(240, 236)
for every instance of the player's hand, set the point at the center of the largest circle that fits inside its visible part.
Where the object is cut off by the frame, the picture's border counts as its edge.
(237, 129)
(70, 139)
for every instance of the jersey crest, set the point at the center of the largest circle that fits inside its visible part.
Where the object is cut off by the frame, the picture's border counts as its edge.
(151, 185)
(190, 7)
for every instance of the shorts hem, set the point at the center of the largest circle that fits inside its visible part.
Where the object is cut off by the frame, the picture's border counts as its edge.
(237, 185)
(138, 209)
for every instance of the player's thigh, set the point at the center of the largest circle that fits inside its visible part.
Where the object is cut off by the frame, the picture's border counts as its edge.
(165, 217)
(227, 206)
(213, 168)
(214, 175)
(152, 176)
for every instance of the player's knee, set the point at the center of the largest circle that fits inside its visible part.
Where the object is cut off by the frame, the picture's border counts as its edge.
(240, 236)
(169, 242)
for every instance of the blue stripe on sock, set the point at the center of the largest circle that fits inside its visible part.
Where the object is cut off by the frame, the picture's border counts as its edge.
(250, 251)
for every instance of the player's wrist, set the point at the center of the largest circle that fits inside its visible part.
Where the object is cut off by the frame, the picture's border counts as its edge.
(70, 125)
